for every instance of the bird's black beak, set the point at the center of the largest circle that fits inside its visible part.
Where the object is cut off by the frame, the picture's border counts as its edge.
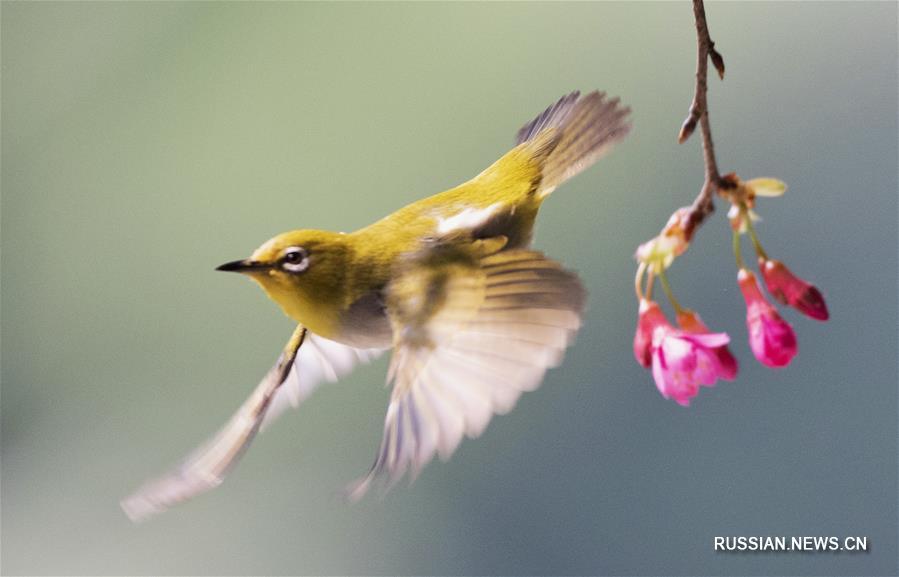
(244, 265)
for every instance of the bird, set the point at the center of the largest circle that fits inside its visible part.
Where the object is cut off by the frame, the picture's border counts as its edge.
(473, 315)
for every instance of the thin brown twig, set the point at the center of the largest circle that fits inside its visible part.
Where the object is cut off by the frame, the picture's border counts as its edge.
(704, 204)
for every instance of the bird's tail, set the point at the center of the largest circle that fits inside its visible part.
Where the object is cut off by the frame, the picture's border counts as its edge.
(572, 134)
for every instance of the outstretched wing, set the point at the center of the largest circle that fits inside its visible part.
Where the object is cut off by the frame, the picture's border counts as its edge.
(470, 335)
(319, 361)
(298, 372)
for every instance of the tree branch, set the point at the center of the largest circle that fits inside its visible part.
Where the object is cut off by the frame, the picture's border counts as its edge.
(703, 205)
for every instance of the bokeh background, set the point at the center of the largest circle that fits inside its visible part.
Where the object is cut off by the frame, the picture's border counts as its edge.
(145, 143)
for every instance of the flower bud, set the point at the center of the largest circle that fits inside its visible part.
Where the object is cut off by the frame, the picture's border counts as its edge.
(771, 338)
(717, 61)
(791, 290)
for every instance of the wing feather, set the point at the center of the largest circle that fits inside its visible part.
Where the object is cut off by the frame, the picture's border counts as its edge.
(488, 332)
(298, 372)
(206, 467)
(320, 360)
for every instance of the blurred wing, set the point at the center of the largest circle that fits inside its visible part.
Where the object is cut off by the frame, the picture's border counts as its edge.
(292, 379)
(469, 337)
(320, 360)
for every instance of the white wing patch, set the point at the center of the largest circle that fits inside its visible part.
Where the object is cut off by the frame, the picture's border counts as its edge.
(467, 219)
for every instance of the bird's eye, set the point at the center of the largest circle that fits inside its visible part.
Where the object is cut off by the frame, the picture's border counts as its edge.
(295, 259)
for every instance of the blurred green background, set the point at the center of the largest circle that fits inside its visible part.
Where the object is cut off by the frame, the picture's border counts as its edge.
(145, 143)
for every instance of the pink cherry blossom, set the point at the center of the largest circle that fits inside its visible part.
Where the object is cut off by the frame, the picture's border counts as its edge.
(771, 338)
(683, 361)
(689, 321)
(791, 290)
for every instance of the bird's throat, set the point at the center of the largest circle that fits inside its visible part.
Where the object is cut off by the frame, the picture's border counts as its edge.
(319, 317)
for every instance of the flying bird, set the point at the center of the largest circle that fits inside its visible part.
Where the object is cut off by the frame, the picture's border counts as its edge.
(472, 316)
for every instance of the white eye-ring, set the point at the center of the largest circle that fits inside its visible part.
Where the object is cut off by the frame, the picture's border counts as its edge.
(295, 259)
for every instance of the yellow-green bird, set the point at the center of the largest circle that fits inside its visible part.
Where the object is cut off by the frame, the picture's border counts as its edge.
(474, 317)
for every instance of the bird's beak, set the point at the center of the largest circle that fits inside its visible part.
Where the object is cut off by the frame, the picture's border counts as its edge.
(245, 265)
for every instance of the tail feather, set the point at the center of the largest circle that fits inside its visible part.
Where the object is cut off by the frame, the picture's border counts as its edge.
(583, 129)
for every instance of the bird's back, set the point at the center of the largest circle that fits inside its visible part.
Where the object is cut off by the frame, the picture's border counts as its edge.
(501, 200)
(562, 141)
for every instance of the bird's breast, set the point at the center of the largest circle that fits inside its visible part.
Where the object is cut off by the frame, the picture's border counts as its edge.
(365, 324)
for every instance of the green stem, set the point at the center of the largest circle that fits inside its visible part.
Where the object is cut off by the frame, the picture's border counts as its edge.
(638, 282)
(667, 288)
(752, 236)
(737, 254)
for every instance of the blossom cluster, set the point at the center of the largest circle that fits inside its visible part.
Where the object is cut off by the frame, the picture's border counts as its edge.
(687, 356)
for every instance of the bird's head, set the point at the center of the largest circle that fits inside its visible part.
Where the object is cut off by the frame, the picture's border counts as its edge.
(304, 272)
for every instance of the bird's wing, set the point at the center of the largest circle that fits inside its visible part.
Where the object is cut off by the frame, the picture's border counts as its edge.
(320, 360)
(470, 335)
(292, 379)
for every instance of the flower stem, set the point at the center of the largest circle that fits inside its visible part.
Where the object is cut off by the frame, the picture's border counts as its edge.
(737, 254)
(667, 288)
(638, 281)
(752, 236)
